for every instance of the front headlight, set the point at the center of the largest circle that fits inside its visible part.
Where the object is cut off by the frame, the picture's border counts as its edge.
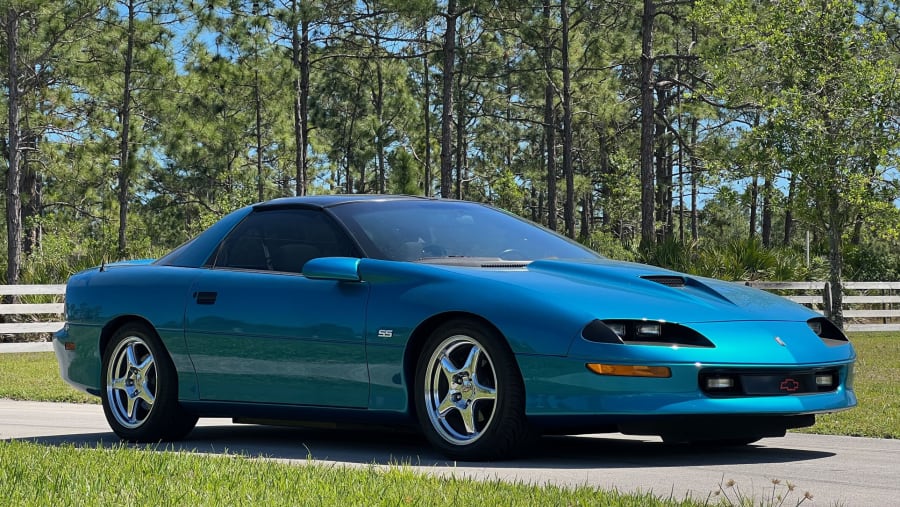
(827, 331)
(643, 332)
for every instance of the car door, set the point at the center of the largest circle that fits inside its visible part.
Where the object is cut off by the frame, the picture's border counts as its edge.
(259, 331)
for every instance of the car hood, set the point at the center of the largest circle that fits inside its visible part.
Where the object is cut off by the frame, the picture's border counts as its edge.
(622, 290)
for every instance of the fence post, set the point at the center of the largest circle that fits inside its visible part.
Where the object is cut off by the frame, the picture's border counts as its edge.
(826, 299)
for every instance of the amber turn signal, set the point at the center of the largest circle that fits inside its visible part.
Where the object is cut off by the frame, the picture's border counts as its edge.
(625, 370)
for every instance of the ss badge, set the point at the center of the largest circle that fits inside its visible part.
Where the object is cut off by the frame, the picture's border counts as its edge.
(385, 333)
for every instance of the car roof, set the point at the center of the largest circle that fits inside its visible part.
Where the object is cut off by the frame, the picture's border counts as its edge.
(326, 201)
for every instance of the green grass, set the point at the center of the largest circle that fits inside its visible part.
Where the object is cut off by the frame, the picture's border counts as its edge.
(35, 376)
(877, 386)
(38, 475)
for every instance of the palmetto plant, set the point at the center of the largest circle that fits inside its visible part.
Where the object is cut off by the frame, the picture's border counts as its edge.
(737, 260)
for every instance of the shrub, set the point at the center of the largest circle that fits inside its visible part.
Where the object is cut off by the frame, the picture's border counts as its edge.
(607, 244)
(872, 262)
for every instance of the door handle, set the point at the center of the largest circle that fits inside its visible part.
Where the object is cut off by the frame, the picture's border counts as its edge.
(206, 298)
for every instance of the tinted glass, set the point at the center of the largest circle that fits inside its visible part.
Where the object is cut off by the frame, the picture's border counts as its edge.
(427, 230)
(283, 240)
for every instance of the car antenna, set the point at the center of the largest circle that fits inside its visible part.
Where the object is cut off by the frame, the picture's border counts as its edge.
(103, 264)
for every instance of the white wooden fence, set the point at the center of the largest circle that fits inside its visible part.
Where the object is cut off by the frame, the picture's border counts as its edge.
(867, 306)
(37, 313)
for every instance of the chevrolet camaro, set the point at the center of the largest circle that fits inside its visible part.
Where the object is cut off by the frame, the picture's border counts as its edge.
(477, 327)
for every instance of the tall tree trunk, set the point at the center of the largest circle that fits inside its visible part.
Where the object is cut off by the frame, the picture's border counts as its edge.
(550, 139)
(568, 164)
(754, 188)
(669, 186)
(680, 185)
(348, 161)
(648, 205)
(300, 61)
(125, 157)
(836, 259)
(586, 213)
(260, 187)
(856, 236)
(379, 132)
(13, 198)
(835, 224)
(695, 164)
(549, 121)
(426, 85)
(509, 86)
(754, 198)
(540, 204)
(31, 239)
(695, 185)
(789, 212)
(461, 144)
(768, 189)
(606, 189)
(362, 181)
(449, 53)
(663, 163)
(348, 152)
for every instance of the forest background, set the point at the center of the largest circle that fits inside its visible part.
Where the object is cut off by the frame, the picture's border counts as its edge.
(726, 138)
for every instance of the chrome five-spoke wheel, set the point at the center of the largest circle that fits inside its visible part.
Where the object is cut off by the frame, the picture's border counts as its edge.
(140, 387)
(131, 382)
(461, 394)
(470, 398)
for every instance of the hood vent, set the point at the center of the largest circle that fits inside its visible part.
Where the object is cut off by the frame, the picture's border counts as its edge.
(667, 280)
(505, 265)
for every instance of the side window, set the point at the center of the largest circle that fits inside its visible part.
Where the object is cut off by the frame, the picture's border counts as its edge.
(282, 240)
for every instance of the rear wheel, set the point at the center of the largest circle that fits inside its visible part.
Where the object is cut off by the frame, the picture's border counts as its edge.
(140, 388)
(470, 398)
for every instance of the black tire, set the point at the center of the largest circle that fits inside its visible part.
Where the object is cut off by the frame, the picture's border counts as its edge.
(469, 394)
(140, 388)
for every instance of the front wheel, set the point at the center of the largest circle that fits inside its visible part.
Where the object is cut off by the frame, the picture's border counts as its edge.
(140, 388)
(470, 398)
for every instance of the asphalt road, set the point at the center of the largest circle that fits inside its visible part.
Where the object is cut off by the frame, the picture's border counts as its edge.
(844, 471)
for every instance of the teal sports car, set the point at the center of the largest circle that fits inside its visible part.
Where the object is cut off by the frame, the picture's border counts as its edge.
(479, 328)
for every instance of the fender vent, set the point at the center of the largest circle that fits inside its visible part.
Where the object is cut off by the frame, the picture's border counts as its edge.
(668, 281)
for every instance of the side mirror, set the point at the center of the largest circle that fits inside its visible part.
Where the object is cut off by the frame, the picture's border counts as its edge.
(343, 269)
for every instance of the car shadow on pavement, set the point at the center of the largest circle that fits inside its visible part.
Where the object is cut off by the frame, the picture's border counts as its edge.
(392, 447)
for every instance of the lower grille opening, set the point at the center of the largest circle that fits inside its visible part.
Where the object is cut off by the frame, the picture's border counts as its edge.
(730, 383)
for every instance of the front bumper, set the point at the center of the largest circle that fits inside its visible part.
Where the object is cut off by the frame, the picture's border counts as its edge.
(565, 388)
(79, 363)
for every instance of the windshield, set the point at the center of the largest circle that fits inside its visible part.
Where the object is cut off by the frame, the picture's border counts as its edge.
(431, 230)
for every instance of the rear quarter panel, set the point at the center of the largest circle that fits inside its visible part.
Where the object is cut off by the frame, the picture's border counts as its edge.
(97, 302)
